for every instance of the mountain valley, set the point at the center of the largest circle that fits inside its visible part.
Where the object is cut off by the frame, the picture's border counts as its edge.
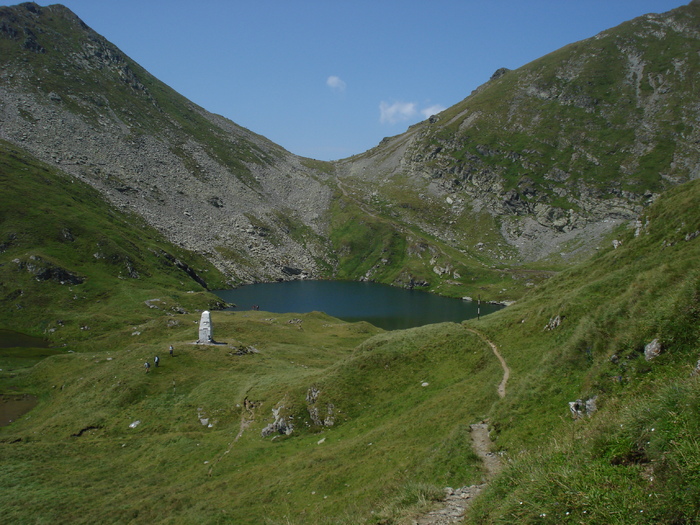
(567, 189)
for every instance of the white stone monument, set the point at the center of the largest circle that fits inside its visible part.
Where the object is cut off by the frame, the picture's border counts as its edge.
(205, 329)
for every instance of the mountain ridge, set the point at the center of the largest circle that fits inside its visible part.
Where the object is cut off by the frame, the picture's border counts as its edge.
(504, 180)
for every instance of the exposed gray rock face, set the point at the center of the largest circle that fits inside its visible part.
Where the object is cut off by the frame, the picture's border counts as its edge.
(553, 323)
(281, 424)
(214, 213)
(321, 415)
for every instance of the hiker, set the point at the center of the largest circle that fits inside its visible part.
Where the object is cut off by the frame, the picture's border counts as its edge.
(147, 366)
(171, 350)
(156, 360)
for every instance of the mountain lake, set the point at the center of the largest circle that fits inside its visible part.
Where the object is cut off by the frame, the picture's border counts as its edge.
(384, 306)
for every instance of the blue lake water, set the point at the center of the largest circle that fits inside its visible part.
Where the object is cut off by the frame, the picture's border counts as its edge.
(384, 306)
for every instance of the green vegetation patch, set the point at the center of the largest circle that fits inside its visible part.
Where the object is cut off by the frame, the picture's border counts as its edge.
(72, 265)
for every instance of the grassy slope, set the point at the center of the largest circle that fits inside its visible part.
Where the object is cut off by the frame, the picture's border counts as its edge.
(50, 222)
(373, 241)
(74, 457)
(634, 461)
(393, 439)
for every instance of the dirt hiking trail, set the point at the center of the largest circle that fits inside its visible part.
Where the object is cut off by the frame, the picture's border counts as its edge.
(457, 501)
(494, 348)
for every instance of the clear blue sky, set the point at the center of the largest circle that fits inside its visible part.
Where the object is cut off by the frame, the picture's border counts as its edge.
(330, 78)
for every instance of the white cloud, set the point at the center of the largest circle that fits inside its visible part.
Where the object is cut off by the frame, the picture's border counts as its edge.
(396, 112)
(432, 110)
(336, 83)
(403, 111)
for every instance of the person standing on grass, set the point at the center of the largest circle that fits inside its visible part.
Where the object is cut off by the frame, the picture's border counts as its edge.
(147, 366)
(171, 350)
(156, 360)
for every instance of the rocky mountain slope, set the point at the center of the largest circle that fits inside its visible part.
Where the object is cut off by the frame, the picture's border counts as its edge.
(73, 99)
(538, 165)
(562, 149)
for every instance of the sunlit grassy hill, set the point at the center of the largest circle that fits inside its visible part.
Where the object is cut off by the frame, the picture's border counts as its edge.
(198, 454)
(301, 418)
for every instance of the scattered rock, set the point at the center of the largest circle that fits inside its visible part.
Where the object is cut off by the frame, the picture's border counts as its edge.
(245, 350)
(638, 227)
(652, 350)
(499, 73)
(696, 371)
(135, 423)
(581, 408)
(280, 425)
(325, 420)
(554, 322)
(46, 271)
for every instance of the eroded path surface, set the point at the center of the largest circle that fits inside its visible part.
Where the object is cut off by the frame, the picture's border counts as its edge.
(456, 501)
(494, 348)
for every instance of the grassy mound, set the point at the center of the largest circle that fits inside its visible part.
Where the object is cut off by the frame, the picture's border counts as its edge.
(378, 422)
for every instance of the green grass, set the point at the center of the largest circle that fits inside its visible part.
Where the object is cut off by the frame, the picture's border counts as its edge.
(390, 245)
(390, 434)
(394, 443)
(400, 402)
